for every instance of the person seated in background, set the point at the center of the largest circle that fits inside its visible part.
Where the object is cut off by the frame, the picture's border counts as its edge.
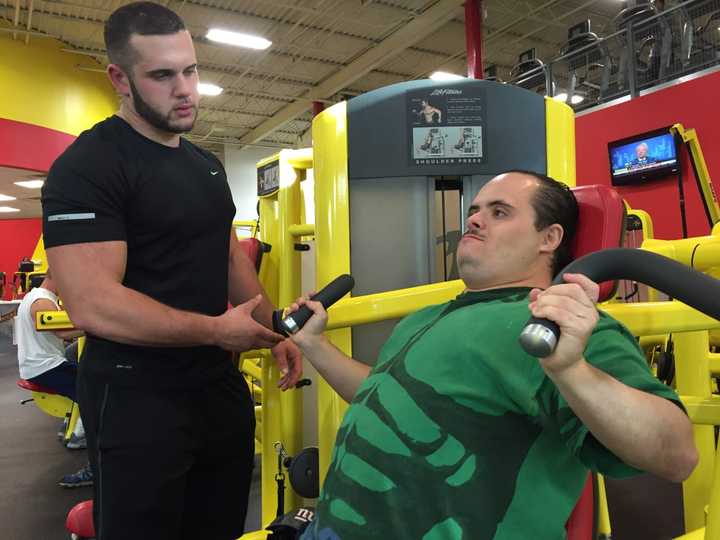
(44, 360)
(456, 432)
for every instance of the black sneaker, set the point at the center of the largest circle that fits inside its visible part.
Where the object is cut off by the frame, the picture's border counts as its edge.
(82, 478)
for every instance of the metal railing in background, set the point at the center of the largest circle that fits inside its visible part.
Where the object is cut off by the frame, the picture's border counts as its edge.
(649, 48)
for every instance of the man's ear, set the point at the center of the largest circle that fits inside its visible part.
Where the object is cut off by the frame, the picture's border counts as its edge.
(119, 79)
(552, 236)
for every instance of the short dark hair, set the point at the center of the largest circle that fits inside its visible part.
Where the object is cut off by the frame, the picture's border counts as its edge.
(143, 18)
(554, 202)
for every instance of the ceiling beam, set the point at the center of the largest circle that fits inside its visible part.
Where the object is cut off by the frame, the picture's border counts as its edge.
(16, 17)
(559, 17)
(277, 50)
(237, 71)
(209, 67)
(424, 24)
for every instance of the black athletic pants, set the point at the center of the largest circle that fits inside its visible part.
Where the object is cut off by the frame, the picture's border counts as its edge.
(169, 463)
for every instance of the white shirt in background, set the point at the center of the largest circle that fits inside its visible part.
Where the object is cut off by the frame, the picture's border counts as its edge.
(38, 352)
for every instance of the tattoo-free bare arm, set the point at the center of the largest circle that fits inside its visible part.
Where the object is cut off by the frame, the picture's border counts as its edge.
(90, 275)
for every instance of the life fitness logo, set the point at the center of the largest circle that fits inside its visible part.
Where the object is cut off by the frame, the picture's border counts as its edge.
(305, 515)
(445, 92)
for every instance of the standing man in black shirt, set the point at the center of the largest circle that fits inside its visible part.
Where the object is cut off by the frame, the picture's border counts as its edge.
(138, 230)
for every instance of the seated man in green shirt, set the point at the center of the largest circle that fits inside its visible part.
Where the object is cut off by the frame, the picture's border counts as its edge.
(456, 432)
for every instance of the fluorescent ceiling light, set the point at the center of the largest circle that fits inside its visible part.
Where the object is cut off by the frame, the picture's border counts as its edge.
(6, 197)
(8, 209)
(30, 184)
(445, 76)
(575, 99)
(209, 89)
(238, 39)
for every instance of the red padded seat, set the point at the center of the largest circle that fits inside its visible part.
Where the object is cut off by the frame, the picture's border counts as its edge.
(32, 387)
(80, 520)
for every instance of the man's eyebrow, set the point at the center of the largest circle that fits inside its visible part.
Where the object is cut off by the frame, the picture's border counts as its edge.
(499, 202)
(160, 71)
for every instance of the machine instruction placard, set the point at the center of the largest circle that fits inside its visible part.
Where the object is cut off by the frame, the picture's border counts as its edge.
(268, 178)
(446, 125)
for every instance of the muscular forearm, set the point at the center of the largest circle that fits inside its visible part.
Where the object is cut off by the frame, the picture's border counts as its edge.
(69, 334)
(645, 431)
(243, 284)
(341, 372)
(124, 315)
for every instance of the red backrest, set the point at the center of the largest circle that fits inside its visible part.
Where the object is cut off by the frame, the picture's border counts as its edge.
(579, 525)
(253, 248)
(601, 225)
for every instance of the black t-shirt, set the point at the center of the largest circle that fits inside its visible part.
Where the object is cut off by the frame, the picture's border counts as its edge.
(174, 209)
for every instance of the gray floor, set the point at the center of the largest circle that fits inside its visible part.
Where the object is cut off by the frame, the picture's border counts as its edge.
(32, 506)
(32, 460)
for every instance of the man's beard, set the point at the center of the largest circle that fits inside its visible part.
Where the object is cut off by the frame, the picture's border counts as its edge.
(152, 116)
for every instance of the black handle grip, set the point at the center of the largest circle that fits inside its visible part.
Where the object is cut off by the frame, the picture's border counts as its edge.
(330, 294)
(689, 286)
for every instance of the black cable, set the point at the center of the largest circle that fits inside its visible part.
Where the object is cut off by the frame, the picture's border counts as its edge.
(444, 235)
(692, 256)
(636, 290)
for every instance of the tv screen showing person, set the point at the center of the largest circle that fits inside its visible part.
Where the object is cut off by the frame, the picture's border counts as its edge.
(642, 155)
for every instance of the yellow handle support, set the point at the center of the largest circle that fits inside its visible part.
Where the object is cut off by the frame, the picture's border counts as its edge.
(53, 320)
(306, 229)
(643, 319)
(390, 305)
(251, 369)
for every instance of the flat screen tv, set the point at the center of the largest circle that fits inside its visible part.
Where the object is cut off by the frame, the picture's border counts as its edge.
(643, 157)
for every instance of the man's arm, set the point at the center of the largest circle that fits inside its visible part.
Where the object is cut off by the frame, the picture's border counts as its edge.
(243, 283)
(343, 373)
(644, 430)
(43, 304)
(90, 278)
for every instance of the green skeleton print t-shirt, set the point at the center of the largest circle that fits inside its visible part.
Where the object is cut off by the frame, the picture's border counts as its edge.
(458, 434)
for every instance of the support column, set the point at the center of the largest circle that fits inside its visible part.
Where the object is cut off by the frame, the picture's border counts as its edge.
(473, 38)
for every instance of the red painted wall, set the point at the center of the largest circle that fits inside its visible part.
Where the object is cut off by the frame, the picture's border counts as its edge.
(18, 238)
(693, 104)
(25, 146)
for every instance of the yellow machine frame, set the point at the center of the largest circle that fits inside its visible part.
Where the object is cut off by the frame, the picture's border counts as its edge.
(707, 191)
(284, 222)
(689, 327)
